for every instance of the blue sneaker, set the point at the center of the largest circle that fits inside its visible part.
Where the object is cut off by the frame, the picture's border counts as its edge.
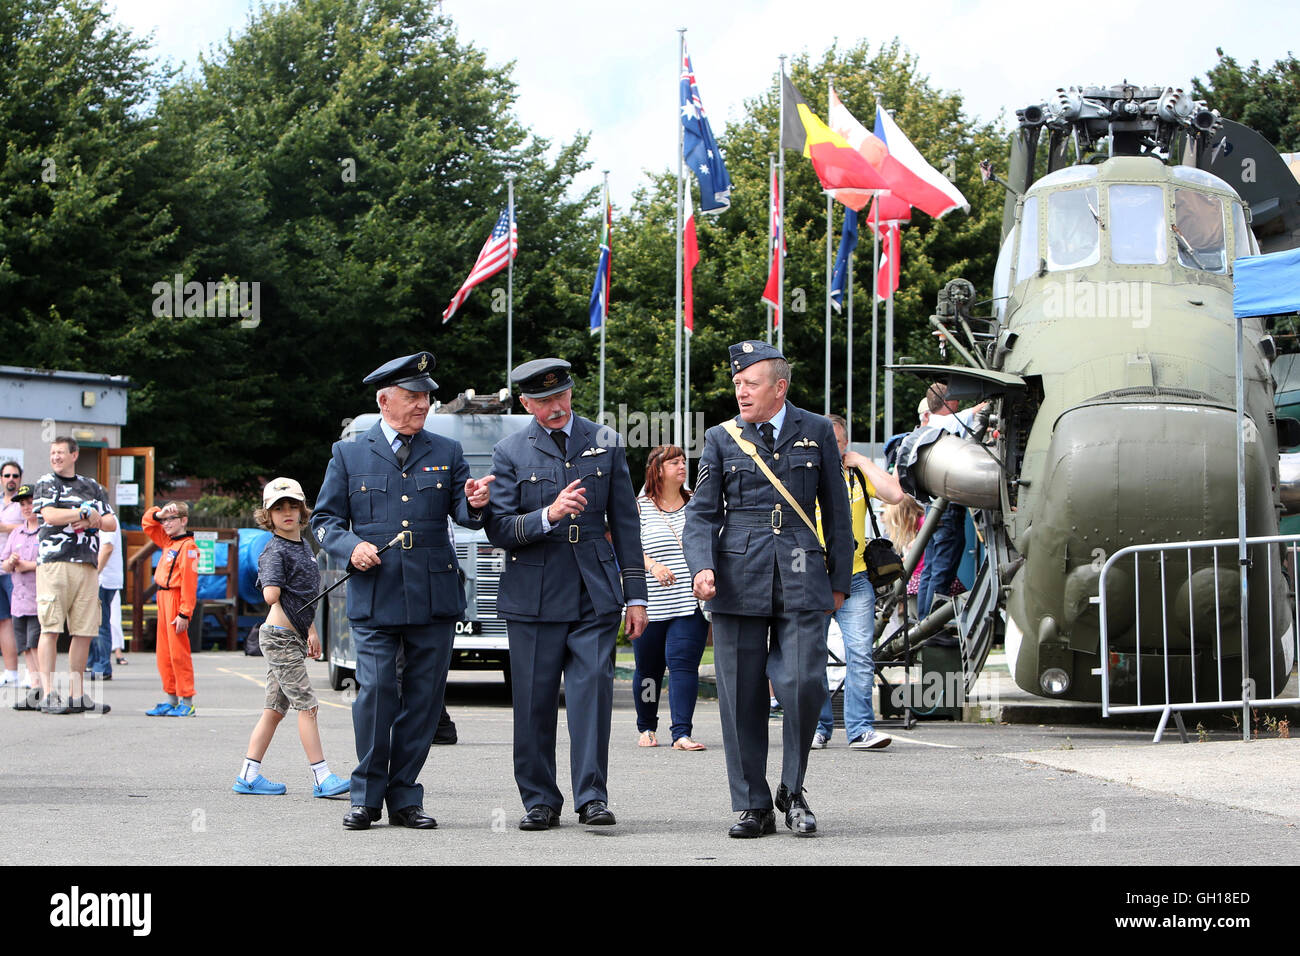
(160, 710)
(332, 786)
(260, 786)
(181, 710)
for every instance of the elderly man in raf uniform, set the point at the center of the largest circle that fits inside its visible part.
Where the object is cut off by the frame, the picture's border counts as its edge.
(562, 484)
(398, 480)
(756, 557)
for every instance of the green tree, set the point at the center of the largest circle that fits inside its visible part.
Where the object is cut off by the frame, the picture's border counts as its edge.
(352, 158)
(1266, 100)
(733, 249)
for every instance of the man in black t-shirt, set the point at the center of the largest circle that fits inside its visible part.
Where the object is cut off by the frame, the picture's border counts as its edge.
(73, 510)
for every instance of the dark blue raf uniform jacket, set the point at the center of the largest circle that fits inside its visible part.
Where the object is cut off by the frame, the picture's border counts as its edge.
(544, 570)
(741, 528)
(366, 496)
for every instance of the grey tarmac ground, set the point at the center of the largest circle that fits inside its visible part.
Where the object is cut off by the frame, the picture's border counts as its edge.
(126, 789)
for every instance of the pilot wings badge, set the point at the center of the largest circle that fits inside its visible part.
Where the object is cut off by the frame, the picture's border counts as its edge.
(805, 443)
(593, 451)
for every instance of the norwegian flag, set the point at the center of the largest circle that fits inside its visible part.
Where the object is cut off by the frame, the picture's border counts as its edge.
(890, 257)
(771, 291)
(501, 246)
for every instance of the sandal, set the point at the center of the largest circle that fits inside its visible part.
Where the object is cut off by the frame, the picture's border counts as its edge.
(686, 743)
(120, 660)
(648, 739)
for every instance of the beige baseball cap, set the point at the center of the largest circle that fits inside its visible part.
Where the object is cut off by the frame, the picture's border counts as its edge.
(278, 488)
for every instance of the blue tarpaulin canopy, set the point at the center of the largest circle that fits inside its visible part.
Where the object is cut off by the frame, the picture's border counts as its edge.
(1266, 285)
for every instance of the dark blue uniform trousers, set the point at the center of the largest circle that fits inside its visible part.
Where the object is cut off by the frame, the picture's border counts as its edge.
(789, 649)
(583, 651)
(389, 762)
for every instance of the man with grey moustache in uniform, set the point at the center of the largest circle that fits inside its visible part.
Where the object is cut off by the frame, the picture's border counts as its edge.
(562, 485)
(756, 558)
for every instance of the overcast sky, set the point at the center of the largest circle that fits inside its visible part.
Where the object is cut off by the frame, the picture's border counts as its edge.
(611, 69)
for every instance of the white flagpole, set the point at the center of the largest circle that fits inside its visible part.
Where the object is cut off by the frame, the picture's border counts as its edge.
(771, 240)
(510, 278)
(889, 357)
(848, 361)
(830, 218)
(604, 298)
(780, 259)
(677, 332)
(875, 304)
(830, 266)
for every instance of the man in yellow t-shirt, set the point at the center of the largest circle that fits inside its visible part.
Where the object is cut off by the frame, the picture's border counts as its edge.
(856, 618)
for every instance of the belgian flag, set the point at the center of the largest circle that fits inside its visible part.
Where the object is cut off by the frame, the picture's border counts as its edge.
(837, 164)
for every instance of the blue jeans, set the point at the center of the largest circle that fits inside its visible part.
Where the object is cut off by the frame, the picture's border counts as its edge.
(678, 643)
(942, 558)
(857, 621)
(100, 657)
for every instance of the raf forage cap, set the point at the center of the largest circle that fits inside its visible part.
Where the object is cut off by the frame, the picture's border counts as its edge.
(278, 488)
(410, 372)
(542, 377)
(745, 354)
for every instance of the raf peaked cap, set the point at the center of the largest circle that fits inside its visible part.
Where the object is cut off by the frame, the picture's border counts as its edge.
(542, 377)
(745, 354)
(410, 372)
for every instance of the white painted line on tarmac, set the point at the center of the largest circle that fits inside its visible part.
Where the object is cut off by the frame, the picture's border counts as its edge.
(924, 743)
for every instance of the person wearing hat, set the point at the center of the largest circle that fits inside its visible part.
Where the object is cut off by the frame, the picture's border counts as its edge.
(18, 561)
(289, 580)
(398, 480)
(562, 485)
(756, 558)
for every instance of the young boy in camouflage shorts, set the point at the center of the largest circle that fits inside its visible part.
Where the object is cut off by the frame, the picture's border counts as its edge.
(289, 579)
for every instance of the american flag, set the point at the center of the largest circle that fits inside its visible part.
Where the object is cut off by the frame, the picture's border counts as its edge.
(492, 258)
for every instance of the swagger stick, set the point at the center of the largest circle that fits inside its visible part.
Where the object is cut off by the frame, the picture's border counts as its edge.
(396, 540)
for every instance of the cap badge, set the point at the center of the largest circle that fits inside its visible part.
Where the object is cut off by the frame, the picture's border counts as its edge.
(747, 347)
(424, 363)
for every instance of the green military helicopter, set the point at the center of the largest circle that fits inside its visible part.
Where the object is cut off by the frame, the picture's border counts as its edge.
(1108, 367)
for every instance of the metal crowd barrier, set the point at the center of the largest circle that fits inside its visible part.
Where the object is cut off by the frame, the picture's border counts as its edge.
(1167, 706)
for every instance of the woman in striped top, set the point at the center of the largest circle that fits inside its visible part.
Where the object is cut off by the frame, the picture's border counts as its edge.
(677, 630)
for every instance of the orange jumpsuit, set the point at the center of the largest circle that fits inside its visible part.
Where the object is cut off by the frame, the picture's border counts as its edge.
(177, 577)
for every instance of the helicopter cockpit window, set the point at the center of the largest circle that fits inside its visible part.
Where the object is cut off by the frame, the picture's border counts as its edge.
(1137, 225)
(1198, 231)
(1027, 259)
(1072, 229)
(1002, 278)
(1240, 233)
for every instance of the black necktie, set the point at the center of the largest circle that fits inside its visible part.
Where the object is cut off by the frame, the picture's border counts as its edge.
(562, 440)
(404, 449)
(768, 433)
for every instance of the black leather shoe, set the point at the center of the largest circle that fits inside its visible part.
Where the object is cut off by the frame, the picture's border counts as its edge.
(360, 818)
(446, 732)
(753, 824)
(540, 817)
(413, 817)
(798, 815)
(594, 813)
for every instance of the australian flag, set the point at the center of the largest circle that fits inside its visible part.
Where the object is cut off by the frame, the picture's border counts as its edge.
(699, 147)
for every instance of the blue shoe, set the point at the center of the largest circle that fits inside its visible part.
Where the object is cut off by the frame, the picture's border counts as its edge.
(260, 786)
(160, 710)
(181, 710)
(332, 786)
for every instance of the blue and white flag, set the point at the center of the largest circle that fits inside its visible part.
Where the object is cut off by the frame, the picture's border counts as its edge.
(699, 148)
(599, 307)
(848, 242)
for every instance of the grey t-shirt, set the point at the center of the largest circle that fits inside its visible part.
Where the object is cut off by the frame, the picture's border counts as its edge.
(291, 567)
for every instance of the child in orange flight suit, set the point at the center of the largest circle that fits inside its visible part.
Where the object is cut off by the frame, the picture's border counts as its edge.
(177, 577)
